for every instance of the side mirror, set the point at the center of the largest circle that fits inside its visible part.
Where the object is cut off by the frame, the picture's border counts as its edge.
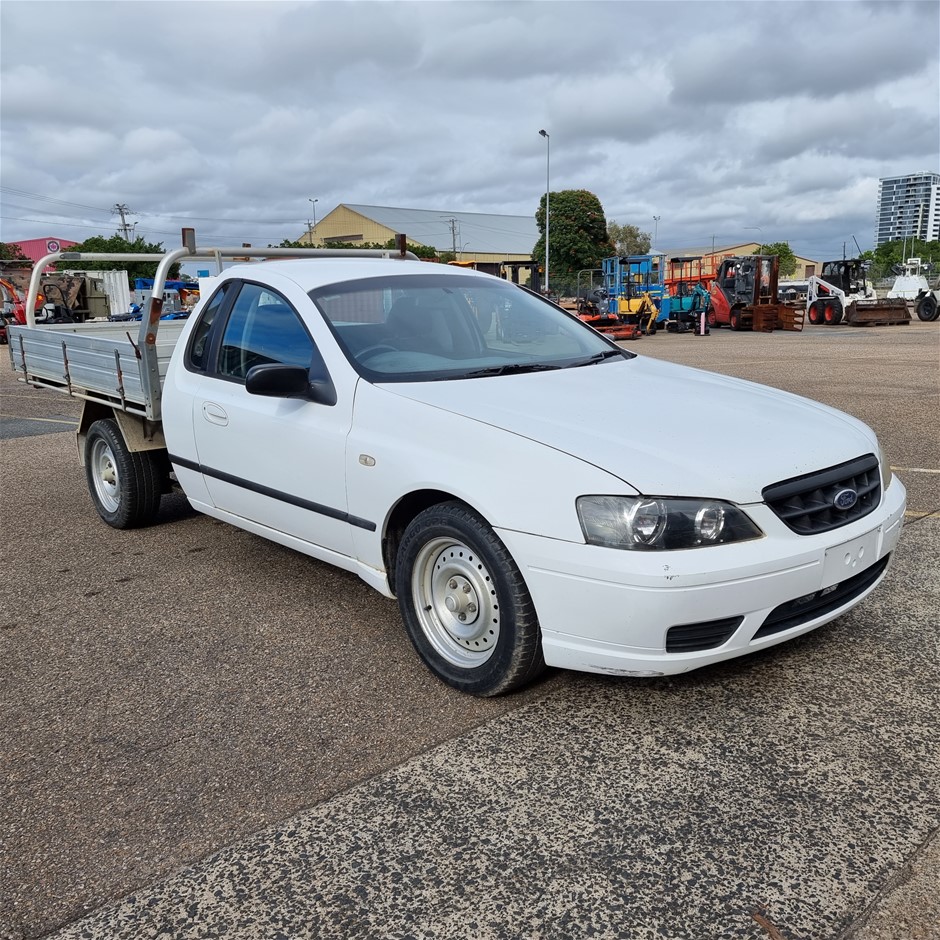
(276, 380)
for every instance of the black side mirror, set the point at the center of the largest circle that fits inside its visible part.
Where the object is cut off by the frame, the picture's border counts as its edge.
(277, 380)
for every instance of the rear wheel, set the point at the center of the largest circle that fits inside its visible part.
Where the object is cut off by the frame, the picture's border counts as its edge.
(713, 320)
(465, 604)
(125, 487)
(927, 308)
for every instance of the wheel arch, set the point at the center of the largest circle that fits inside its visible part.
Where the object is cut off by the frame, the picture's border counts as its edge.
(138, 433)
(409, 506)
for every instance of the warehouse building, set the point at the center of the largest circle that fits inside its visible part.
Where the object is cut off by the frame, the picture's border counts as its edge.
(712, 255)
(498, 244)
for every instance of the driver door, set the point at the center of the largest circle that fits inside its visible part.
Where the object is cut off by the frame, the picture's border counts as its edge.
(278, 462)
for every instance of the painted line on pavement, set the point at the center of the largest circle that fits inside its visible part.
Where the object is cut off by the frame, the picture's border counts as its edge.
(3, 414)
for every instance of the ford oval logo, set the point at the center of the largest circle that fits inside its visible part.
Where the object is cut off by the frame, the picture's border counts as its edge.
(845, 499)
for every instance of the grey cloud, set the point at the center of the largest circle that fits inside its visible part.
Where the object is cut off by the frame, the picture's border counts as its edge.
(716, 116)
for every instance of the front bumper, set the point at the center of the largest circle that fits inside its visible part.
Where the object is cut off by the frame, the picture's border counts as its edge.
(610, 611)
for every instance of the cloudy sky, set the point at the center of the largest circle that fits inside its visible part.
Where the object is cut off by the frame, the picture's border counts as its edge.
(737, 121)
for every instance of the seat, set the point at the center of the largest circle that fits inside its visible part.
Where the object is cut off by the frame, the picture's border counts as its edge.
(413, 327)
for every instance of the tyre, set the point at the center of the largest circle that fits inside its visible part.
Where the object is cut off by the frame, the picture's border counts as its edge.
(832, 314)
(465, 604)
(712, 320)
(814, 314)
(734, 320)
(125, 487)
(927, 308)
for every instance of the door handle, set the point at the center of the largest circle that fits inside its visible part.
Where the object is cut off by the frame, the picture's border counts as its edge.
(214, 414)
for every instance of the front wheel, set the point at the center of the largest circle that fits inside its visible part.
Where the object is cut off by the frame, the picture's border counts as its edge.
(734, 320)
(832, 314)
(125, 487)
(465, 604)
(927, 308)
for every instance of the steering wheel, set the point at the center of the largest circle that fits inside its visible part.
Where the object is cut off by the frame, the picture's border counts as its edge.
(371, 351)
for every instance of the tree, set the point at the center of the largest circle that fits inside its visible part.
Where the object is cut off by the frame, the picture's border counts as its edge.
(785, 253)
(628, 239)
(117, 245)
(11, 252)
(422, 251)
(577, 237)
(889, 254)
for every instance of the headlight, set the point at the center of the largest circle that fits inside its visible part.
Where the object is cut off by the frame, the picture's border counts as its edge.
(643, 523)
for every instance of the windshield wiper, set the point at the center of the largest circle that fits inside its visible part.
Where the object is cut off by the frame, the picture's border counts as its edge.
(599, 357)
(513, 368)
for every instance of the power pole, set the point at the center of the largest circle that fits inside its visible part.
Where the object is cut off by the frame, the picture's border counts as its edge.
(453, 233)
(126, 228)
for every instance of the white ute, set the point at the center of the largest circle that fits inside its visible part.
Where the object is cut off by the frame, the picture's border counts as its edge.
(473, 450)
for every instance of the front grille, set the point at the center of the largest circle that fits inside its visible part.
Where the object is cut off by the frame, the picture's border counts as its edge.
(690, 637)
(806, 504)
(818, 604)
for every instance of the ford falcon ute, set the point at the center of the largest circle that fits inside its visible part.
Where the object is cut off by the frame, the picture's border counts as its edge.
(531, 493)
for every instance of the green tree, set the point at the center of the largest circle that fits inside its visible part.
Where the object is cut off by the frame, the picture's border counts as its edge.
(628, 239)
(889, 254)
(422, 251)
(577, 237)
(785, 253)
(10, 252)
(117, 245)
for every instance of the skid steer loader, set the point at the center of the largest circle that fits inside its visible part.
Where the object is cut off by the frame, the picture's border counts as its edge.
(843, 294)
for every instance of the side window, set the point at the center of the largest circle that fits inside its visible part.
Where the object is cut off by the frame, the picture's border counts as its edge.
(198, 357)
(262, 328)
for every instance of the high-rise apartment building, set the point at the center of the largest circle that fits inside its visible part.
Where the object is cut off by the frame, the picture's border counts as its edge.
(908, 207)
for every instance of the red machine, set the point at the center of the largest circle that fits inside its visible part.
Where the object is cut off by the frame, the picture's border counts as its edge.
(744, 296)
(14, 307)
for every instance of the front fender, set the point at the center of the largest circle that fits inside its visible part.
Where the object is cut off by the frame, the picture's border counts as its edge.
(398, 446)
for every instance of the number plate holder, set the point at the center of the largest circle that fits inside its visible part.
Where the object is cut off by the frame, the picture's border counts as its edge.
(848, 559)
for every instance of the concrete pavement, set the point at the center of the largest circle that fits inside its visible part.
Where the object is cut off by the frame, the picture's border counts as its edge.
(178, 689)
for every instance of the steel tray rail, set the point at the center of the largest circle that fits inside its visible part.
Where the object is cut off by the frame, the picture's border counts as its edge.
(100, 361)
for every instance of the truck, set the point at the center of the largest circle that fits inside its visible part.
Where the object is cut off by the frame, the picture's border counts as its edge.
(355, 407)
(927, 303)
(843, 293)
(744, 296)
(912, 285)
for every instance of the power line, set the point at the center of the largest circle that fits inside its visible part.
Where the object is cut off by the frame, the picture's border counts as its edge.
(204, 236)
(61, 202)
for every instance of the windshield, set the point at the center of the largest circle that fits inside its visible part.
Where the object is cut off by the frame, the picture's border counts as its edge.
(427, 327)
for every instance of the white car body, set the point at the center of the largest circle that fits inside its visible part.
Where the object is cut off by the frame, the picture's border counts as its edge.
(520, 449)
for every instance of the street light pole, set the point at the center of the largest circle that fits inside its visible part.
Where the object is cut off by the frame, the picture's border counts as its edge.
(656, 219)
(548, 159)
(313, 202)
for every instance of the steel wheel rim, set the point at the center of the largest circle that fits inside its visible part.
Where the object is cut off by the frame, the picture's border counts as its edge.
(455, 602)
(104, 474)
